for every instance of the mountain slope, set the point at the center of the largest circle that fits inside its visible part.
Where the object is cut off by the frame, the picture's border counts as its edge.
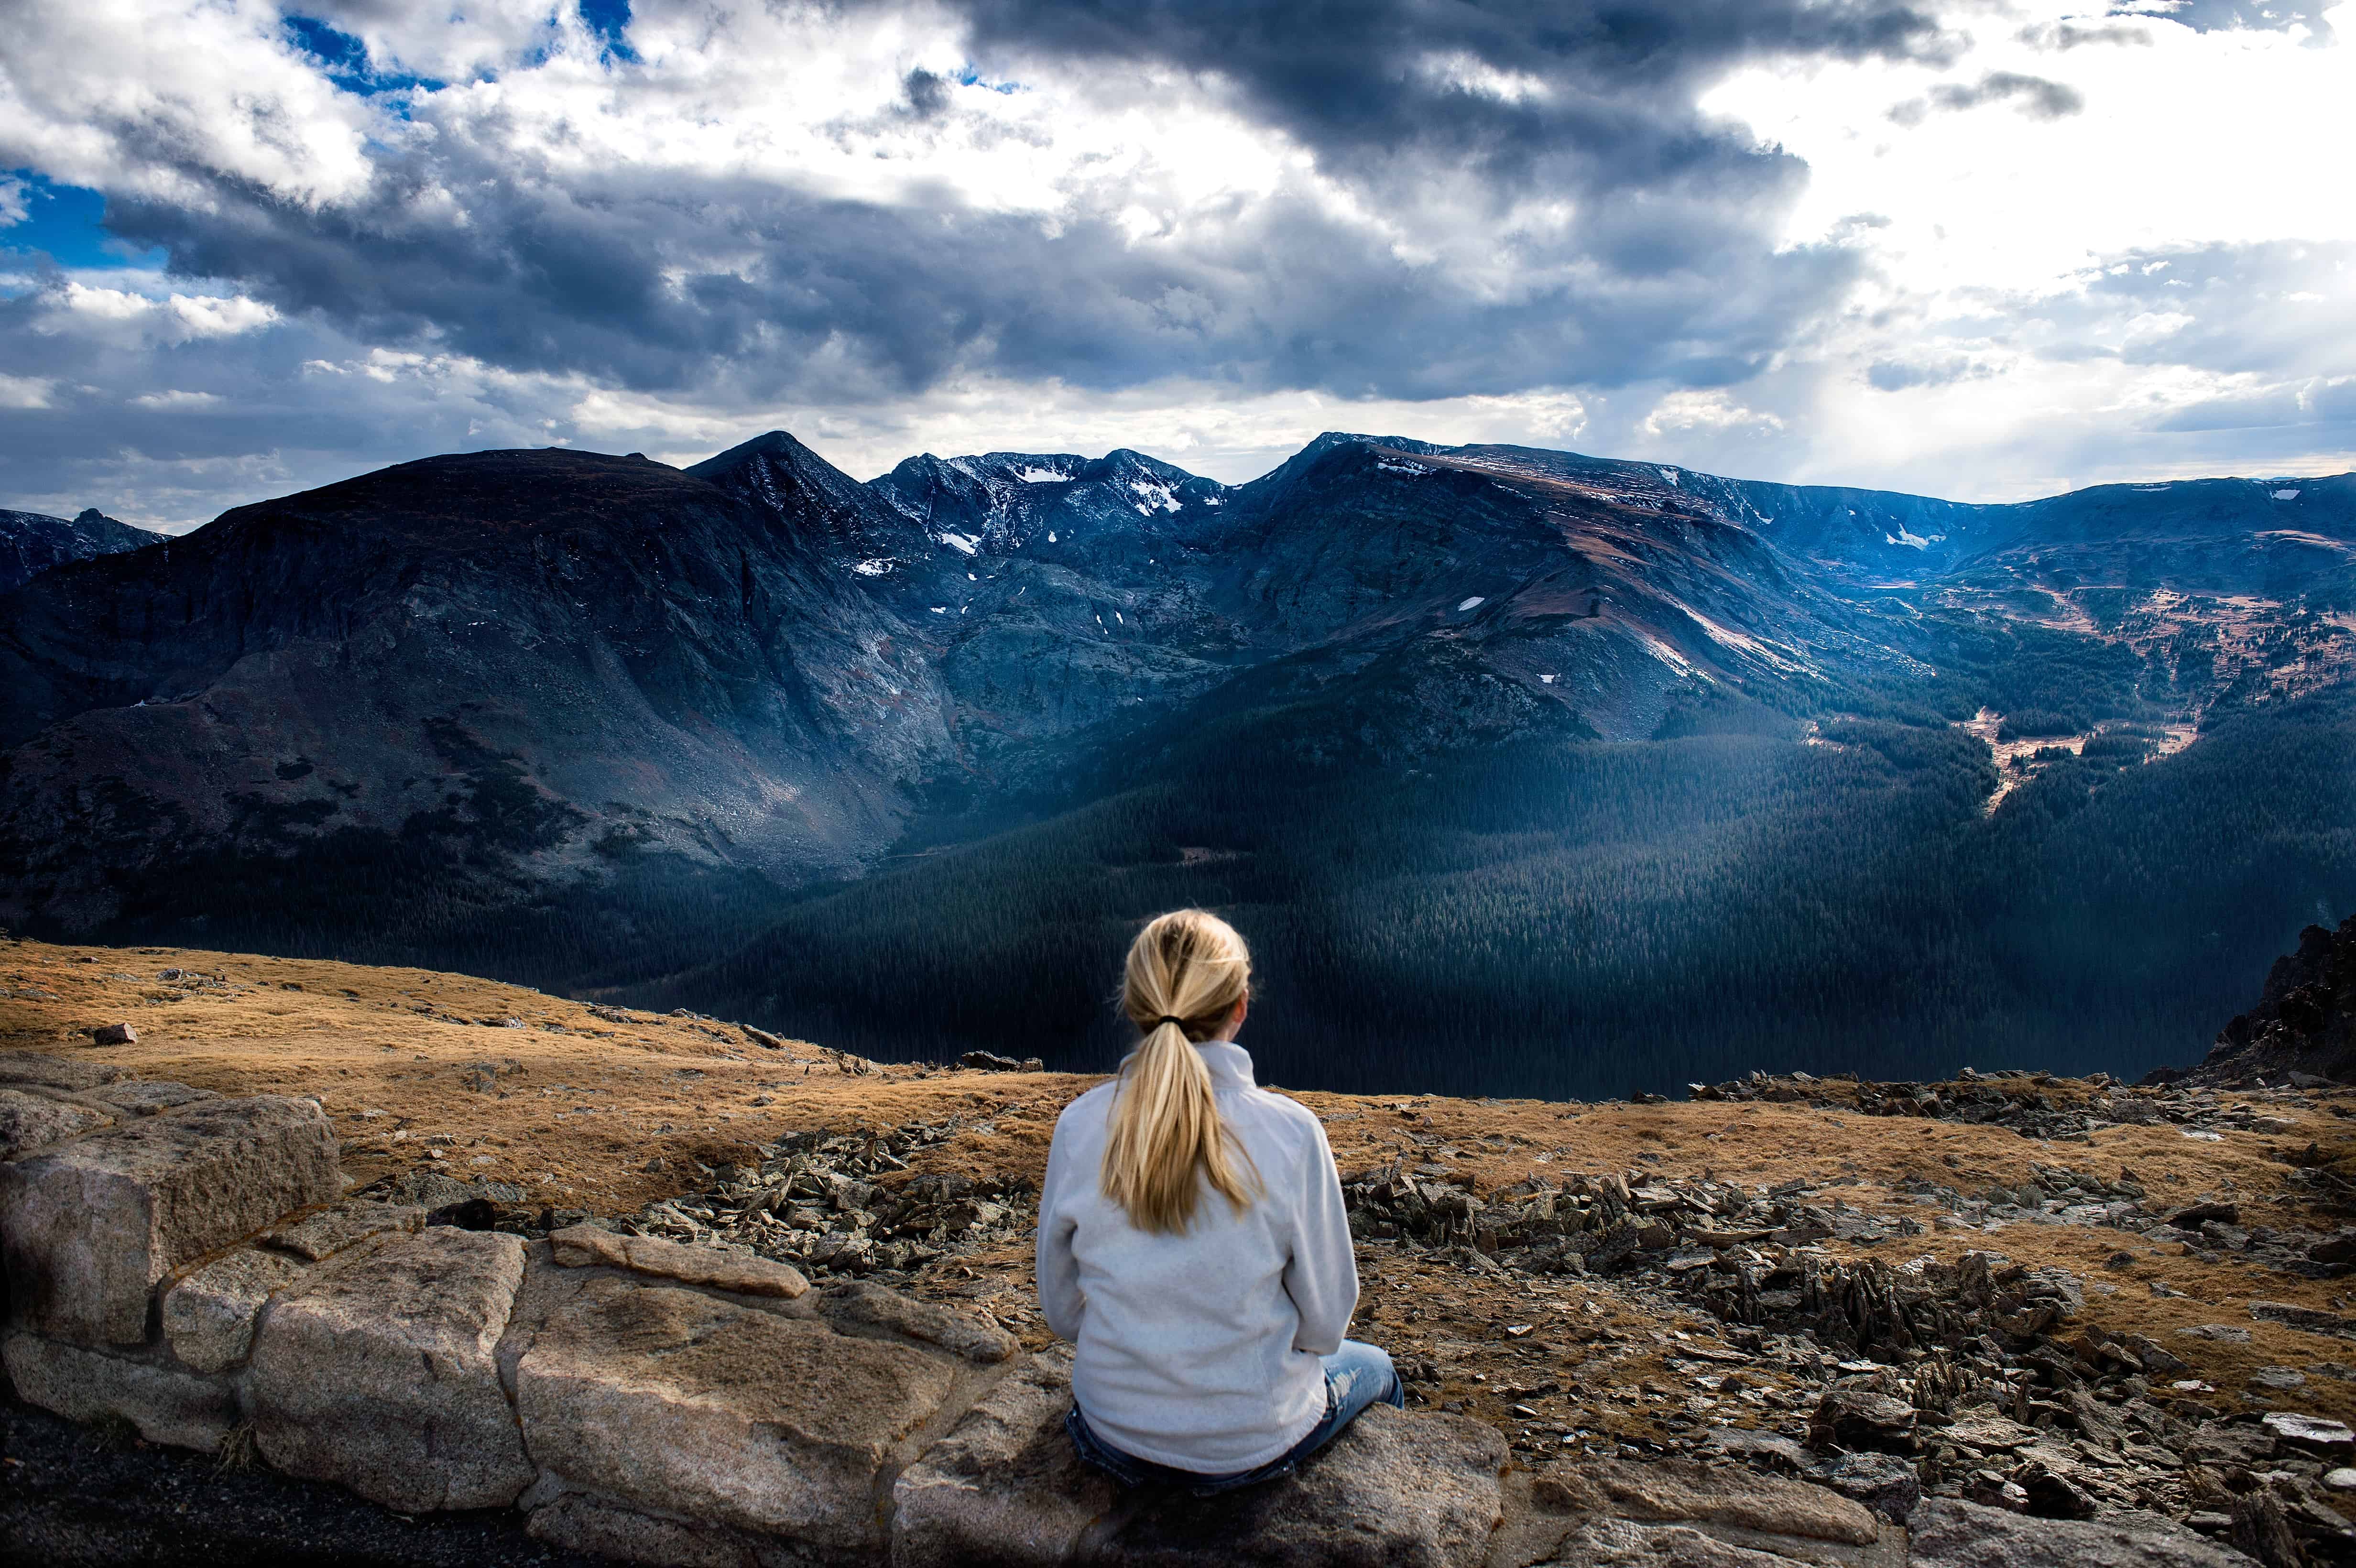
(32, 542)
(524, 668)
(1550, 765)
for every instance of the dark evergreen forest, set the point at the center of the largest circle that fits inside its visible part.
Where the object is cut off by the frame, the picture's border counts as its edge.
(1586, 919)
(1560, 917)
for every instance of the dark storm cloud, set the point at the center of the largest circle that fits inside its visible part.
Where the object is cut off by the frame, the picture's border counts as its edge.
(1673, 269)
(854, 302)
(1357, 82)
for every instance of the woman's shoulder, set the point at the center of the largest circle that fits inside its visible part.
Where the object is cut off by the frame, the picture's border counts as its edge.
(1277, 1112)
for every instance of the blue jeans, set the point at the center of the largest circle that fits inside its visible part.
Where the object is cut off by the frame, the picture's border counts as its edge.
(1357, 1376)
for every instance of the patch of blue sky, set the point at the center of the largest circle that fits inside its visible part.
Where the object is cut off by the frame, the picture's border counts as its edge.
(610, 20)
(343, 59)
(67, 223)
(968, 77)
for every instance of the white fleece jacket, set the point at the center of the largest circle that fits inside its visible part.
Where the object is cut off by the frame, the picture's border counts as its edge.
(1200, 1350)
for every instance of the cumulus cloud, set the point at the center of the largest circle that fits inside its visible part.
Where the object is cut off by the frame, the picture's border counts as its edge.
(1687, 229)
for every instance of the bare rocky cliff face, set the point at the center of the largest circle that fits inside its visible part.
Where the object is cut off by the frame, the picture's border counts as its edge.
(532, 663)
(543, 679)
(2304, 1026)
(32, 542)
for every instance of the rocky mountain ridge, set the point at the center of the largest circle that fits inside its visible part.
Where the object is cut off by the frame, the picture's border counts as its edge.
(561, 702)
(33, 542)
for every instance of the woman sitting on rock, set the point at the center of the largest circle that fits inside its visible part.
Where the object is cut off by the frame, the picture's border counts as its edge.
(1192, 1243)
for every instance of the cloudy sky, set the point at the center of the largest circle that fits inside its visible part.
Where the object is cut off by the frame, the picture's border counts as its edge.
(1981, 249)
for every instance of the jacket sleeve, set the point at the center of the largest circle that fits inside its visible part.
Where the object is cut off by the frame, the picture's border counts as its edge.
(1323, 1277)
(1061, 1299)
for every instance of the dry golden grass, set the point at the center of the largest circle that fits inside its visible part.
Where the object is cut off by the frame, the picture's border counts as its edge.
(576, 1108)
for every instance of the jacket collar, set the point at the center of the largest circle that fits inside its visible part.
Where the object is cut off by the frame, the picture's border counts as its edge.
(1230, 1064)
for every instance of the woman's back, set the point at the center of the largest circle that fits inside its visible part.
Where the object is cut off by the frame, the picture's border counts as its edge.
(1199, 1348)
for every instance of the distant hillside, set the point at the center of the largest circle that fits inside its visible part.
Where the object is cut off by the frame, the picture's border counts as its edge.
(31, 542)
(1547, 770)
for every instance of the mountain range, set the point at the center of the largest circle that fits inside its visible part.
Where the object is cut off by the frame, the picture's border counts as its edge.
(32, 542)
(1547, 770)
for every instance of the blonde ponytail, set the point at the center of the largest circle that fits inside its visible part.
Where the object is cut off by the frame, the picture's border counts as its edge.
(1187, 972)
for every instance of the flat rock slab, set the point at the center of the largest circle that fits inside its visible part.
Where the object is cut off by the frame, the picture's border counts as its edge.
(684, 1403)
(210, 1311)
(1003, 1487)
(1624, 1543)
(185, 1409)
(90, 1228)
(29, 1121)
(1680, 1492)
(1951, 1534)
(746, 1274)
(860, 1305)
(55, 1072)
(377, 1372)
(315, 1237)
(145, 1099)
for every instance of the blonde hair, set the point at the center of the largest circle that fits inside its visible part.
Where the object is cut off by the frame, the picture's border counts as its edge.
(1187, 972)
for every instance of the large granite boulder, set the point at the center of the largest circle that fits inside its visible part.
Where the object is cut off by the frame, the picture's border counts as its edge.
(1003, 1488)
(89, 1229)
(167, 1405)
(1951, 1534)
(675, 1402)
(1003, 1485)
(377, 1370)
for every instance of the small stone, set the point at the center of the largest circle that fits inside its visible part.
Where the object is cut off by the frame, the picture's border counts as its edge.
(114, 1034)
(2313, 1431)
(762, 1038)
(2342, 1479)
(2220, 1333)
(1854, 1418)
(1882, 1482)
(2277, 1377)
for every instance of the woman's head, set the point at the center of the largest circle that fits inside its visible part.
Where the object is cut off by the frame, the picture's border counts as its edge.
(1188, 976)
